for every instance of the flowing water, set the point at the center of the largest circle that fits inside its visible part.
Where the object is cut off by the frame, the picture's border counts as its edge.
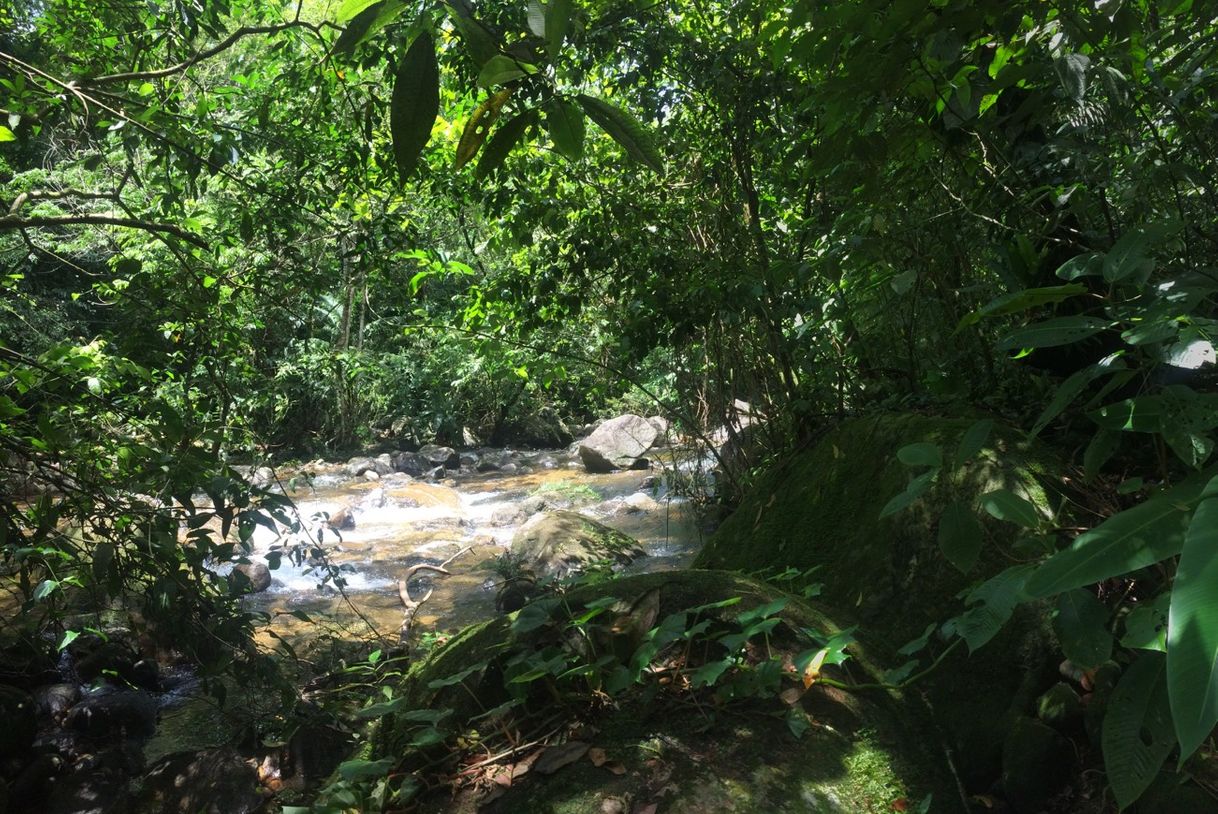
(473, 516)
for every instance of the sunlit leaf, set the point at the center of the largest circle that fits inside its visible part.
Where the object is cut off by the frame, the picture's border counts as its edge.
(1135, 538)
(626, 130)
(1192, 629)
(479, 125)
(1006, 505)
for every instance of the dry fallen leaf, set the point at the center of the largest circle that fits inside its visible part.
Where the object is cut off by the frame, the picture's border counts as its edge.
(597, 756)
(616, 767)
(555, 757)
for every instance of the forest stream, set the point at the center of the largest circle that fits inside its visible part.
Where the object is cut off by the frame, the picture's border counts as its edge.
(469, 516)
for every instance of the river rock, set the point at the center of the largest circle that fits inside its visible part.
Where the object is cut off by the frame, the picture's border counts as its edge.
(469, 459)
(131, 712)
(619, 443)
(358, 466)
(18, 711)
(89, 792)
(344, 518)
(562, 543)
(662, 425)
(440, 456)
(262, 477)
(257, 577)
(54, 700)
(410, 463)
(213, 781)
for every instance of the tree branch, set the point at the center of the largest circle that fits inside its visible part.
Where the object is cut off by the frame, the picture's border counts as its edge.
(223, 45)
(10, 222)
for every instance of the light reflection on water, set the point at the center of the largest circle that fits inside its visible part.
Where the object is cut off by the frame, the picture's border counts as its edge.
(399, 522)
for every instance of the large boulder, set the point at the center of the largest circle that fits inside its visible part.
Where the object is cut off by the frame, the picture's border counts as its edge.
(562, 543)
(412, 463)
(821, 509)
(356, 467)
(619, 443)
(250, 577)
(779, 746)
(440, 456)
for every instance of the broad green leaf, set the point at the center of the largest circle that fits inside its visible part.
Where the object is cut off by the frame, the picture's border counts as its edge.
(1137, 733)
(366, 23)
(920, 454)
(1052, 333)
(501, 69)
(916, 488)
(1176, 406)
(501, 144)
(415, 104)
(1129, 257)
(350, 8)
(992, 603)
(536, 18)
(45, 589)
(558, 19)
(709, 673)
(1100, 450)
(456, 678)
(960, 535)
(479, 125)
(360, 769)
(1072, 70)
(534, 615)
(1085, 265)
(1081, 625)
(1023, 300)
(1192, 629)
(1192, 448)
(1006, 505)
(1146, 625)
(69, 636)
(1135, 538)
(625, 129)
(481, 44)
(6, 134)
(565, 122)
(1070, 389)
(973, 441)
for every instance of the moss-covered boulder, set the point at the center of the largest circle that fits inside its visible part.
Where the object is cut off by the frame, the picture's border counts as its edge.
(822, 507)
(562, 543)
(755, 739)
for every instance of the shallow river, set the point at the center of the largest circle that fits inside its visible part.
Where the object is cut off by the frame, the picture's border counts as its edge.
(400, 522)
